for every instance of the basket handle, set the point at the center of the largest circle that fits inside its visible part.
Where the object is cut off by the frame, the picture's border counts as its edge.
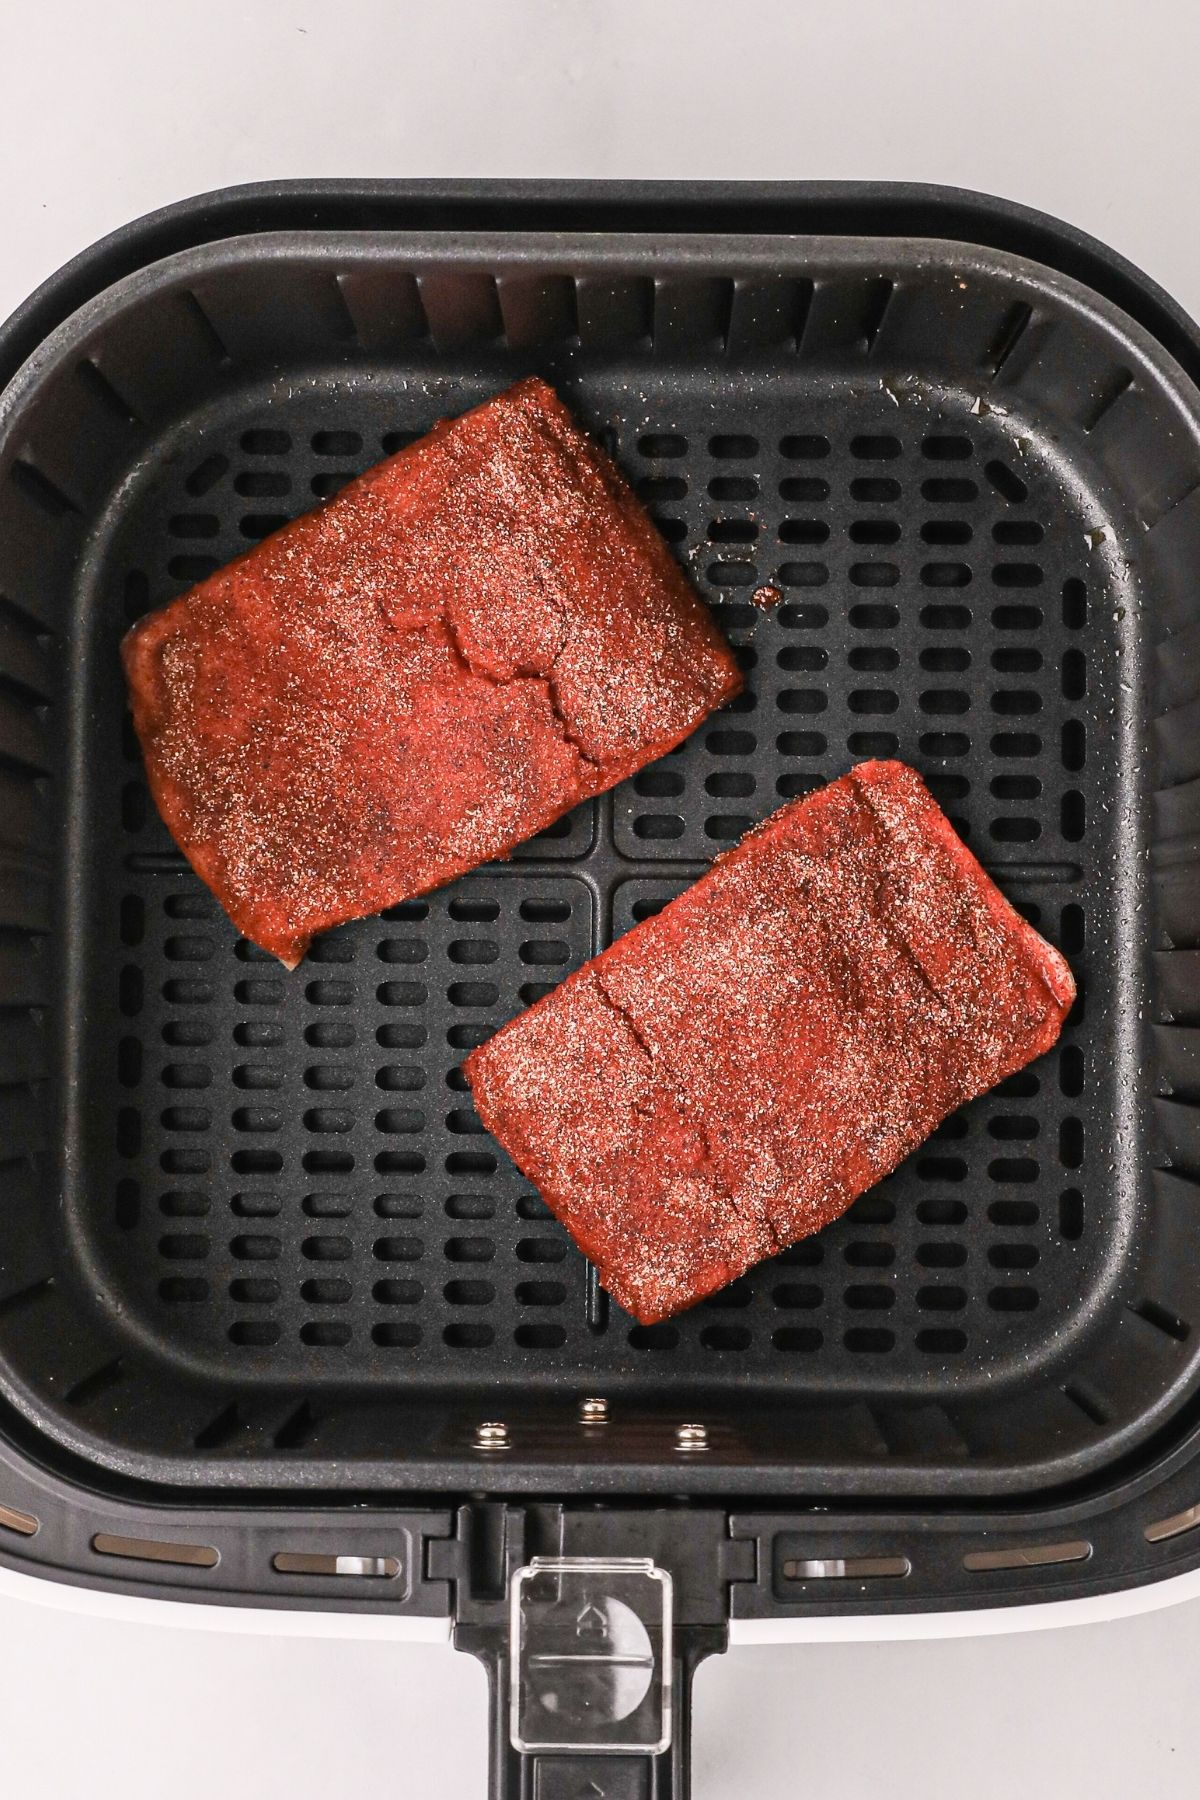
(564, 1775)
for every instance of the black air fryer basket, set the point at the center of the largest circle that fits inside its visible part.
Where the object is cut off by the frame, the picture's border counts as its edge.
(279, 1324)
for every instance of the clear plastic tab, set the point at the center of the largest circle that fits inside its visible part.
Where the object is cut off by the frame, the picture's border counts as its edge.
(591, 1655)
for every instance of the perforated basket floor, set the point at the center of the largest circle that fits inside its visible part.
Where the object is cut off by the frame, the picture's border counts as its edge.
(284, 1242)
(357, 1206)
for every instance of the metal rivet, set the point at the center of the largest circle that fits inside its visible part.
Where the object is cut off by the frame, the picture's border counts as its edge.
(691, 1437)
(593, 1411)
(491, 1435)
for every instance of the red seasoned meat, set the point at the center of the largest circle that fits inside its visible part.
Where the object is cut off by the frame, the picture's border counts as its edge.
(470, 639)
(731, 1074)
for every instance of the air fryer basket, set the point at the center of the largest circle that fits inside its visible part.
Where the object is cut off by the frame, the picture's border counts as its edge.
(254, 1241)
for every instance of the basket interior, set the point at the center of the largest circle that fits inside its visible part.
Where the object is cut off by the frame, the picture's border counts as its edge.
(255, 1231)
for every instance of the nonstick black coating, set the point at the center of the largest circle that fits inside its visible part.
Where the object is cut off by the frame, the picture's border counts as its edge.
(257, 1232)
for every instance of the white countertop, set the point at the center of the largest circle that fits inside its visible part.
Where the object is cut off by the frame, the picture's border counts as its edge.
(1085, 108)
(95, 1709)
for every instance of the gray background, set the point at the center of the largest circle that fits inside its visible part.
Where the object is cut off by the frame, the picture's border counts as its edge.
(1087, 110)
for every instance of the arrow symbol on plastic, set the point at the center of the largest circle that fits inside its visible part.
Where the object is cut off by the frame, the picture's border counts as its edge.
(591, 1622)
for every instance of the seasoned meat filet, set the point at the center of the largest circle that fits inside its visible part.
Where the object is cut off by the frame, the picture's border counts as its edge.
(732, 1073)
(467, 641)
